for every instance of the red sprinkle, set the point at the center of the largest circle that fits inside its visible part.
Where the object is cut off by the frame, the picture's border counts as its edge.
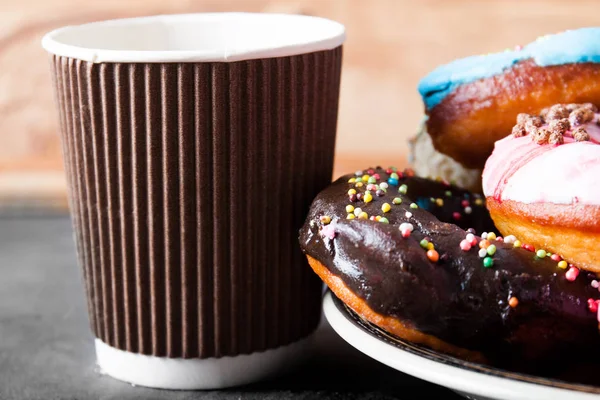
(593, 305)
(464, 203)
(388, 171)
(555, 257)
(370, 172)
(456, 215)
(528, 247)
(406, 233)
(464, 245)
(409, 172)
(500, 239)
(376, 176)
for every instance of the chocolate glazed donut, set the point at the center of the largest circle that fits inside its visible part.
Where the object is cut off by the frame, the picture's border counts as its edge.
(397, 253)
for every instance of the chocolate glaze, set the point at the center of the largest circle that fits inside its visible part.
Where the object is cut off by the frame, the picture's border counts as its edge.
(456, 299)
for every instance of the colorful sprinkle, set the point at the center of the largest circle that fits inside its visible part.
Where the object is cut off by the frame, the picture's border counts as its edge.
(372, 179)
(350, 216)
(484, 244)
(424, 243)
(351, 180)
(513, 302)
(430, 246)
(394, 175)
(371, 186)
(385, 207)
(468, 210)
(464, 203)
(351, 192)
(325, 219)
(365, 178)
(572, 274)
(540, 253)
(593, 305)
(403, 189)
(393, 181)
(456, 215)
(482, 253)
(383, 185)
(406, 226)
(484, 235)
(528, 247)
(517, 243)
(488, 262)
(363, 215)
(471, 239)
(358, 173)
(380, 192)
(491, 236)
(408, 214)
(478, 202)
(414, 205)
(349, 208)
(357, 211)
(510, 239)
(384, 220)
(359, 184)
(433, 255)
(491, 250)
(397, 200)
(368, 198)
(556, 257)
(448, 193)
(465, 245)
(562, 264)
(328, 231)
(439, 202)
(595, 284)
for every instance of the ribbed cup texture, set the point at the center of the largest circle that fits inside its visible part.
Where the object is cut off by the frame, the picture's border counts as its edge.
(188, 183)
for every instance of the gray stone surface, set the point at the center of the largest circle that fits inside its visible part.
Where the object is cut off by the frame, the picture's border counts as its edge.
(46, 348)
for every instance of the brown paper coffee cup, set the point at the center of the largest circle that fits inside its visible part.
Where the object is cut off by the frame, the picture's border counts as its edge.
(193, 146)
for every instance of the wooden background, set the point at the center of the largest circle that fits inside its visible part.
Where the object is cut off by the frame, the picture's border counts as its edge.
(391, 44)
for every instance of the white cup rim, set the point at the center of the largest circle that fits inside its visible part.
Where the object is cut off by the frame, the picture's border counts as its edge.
(115, 40)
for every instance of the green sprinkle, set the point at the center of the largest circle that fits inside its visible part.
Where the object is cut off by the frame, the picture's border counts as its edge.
(372, 180)
(394, 175)
(448, 193)
(397, 200)
(491, 250)
(414, 205)
(384, 220)
(424, 243)
(541, 253)
(488, 262)
(403, 189)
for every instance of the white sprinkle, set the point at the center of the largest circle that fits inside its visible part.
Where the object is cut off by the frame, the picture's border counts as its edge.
(470, 237)
(510, 239)
(484, 235)
(357, 211)
(482, 253)
(383, 185)
(408, 214)
(358, 173)
(595, 284)
(405, 226)
(468, 210)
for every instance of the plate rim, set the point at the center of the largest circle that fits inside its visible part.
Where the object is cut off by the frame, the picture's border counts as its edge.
(462, 379)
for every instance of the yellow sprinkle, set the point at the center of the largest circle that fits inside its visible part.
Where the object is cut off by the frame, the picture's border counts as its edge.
(350, 216)
(363, 215)
(491, 236)
(359, 184)
(385, 207)
(325, 219)
(430, 246)
(478, 202)
(351, 192)
(349, 208)
(517, 243)
(365, 178)
(562, 264)
(351, 180)
(377, 218)
(439, 202)
(368, 198)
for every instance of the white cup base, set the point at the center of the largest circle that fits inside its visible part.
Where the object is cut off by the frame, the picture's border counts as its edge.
(199, 374)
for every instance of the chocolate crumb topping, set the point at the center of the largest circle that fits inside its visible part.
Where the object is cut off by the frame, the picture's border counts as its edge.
(555, 122)
(557, 111)
(519, 130)
(580, 134)
(556, 138)
(542, 136)
(559, 126)
(581, 116)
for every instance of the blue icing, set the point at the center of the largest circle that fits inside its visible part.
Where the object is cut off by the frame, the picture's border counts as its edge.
(576, 46)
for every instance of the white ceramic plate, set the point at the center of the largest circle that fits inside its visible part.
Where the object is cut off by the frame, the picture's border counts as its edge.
(472, 380)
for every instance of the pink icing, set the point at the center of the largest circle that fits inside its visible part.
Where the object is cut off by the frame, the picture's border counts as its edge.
(524, 171)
